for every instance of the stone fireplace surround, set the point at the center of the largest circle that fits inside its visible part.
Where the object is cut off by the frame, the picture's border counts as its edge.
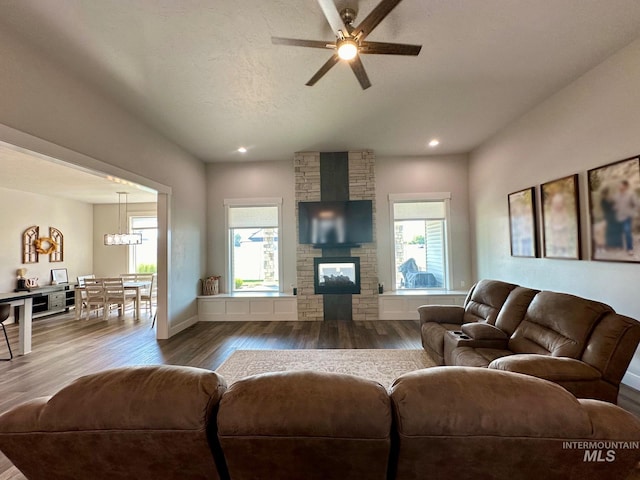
(360, 166)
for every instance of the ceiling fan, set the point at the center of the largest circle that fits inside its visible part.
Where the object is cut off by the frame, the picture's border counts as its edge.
(350, 40)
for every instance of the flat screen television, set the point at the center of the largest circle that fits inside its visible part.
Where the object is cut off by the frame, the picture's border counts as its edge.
(335, 223)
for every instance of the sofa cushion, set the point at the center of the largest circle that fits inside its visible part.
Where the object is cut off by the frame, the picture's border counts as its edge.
(456, 401)
(485, 301)
(132, 422)
(514, 309)
(467, 424)
(612, 345)
(475, 357)
(306, 424)
(557, 324)
(550, 368)
(483, 331)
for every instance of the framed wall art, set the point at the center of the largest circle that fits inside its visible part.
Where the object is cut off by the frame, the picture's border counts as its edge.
(614, 209)
(561, 218)
(523, 230)
(59, 275)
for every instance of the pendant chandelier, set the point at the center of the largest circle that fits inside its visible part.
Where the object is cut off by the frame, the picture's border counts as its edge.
(120, 238)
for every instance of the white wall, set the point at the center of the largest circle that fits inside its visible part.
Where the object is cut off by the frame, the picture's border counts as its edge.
(244, 180)
(114, 260)
(22, 210)
(591, 122)
(46, 101)
(446, 173)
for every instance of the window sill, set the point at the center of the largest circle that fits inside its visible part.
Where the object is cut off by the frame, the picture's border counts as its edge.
(248, 295)
(422, 292)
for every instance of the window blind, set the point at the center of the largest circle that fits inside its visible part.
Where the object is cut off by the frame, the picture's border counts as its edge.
(418, 211)
(253, 217)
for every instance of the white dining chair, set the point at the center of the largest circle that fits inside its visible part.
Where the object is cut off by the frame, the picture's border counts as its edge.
(83, 294)
(115, 295)
(148, 295)
(94, 292)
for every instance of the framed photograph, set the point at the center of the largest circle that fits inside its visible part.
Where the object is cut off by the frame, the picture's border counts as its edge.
(59, 275)
(561, 218)
(614, 208)
(522, 223)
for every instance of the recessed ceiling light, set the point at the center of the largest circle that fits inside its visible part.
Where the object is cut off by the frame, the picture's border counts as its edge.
(434, 143)
(242, 150)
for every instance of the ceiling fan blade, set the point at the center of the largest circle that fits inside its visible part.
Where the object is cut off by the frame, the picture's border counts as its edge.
(333, 16)
(361, 74)
(381, 48)
(375, 17)
(301, 43)
(324, 69)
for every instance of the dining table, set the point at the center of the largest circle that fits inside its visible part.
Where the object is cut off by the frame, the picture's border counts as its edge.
(24, 302)
(137, 286)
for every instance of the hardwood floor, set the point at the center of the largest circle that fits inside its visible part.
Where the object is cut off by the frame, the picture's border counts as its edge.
(65, 348)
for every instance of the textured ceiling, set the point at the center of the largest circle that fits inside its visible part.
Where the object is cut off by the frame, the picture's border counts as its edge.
(205, 73)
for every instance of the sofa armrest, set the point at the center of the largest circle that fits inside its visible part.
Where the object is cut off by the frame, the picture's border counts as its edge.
(441, 314)
(484, 331)
(555, 369)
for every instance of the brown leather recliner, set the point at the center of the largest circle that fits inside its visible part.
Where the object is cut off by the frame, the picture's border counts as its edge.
(307, 425)
(469, 423)
(133, 422)
(483, 303)
(580, 344)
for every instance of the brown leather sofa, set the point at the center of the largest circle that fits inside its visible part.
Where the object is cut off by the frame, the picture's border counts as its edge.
(583, 345)
(441, 423)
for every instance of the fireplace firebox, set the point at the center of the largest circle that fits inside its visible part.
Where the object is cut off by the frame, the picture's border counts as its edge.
(336, 275)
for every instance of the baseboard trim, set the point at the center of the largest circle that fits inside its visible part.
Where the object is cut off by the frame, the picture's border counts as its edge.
(177, 328)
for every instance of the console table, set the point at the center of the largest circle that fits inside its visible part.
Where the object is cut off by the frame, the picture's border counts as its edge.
(53, 299)
(24, 302)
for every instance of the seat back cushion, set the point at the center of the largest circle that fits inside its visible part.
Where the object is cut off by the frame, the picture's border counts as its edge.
(468, 423)
(307, 425)
(514, 309)
(557, 324)
(133, 422)
(485, 301)
(612, 345)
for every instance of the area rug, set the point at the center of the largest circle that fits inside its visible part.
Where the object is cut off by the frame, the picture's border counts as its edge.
(383, 366)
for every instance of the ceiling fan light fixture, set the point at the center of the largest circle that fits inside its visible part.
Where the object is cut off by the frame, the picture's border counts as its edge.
(347, 49)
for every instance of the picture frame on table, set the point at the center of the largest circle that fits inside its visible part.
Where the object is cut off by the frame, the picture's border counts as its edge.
(523, 226)
(614, 211)
(59, 275)
(561, 218)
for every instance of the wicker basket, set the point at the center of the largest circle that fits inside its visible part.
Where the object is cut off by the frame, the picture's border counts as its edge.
(211, 285)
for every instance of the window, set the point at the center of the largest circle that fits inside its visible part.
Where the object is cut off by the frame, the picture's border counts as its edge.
(143, 258)
(420, 241)
(254, 246)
